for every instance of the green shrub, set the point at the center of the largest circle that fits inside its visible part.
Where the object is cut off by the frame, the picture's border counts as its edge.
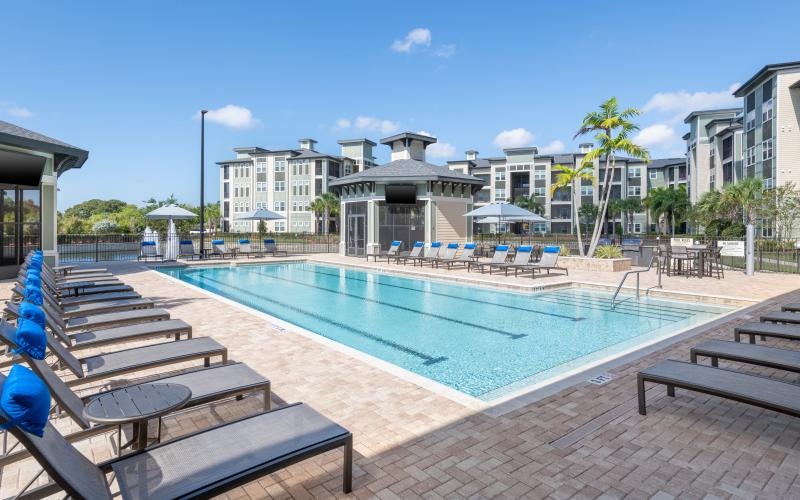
(735, 230)
(564, 251)
(608, 252)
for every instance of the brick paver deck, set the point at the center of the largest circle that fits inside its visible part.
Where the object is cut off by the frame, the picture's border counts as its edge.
(586, 441)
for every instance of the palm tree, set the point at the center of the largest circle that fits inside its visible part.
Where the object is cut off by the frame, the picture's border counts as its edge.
(629, 207)
(569, 178)
(613, 129)
(671, 203)
(746, 197)
(587, 214)
(529, 203)
(318, 207)
(327, 205)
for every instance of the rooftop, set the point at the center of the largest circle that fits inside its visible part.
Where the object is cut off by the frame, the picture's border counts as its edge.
(763, 72)
(66, 156)
(406, 170)
(711, 112)
(427, 139)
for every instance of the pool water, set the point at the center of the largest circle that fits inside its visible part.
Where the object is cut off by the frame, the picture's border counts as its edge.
(481, 341)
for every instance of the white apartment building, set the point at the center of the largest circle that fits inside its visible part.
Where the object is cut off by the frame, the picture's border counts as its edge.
(284, 181)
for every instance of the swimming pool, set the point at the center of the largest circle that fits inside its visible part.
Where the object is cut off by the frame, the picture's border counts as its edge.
(483, 342)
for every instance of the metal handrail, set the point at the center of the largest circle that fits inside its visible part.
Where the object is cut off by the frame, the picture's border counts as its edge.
(637, 272)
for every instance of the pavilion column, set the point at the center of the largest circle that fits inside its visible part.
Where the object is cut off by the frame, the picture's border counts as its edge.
(49, 211)
(342, 228)
(373, 246)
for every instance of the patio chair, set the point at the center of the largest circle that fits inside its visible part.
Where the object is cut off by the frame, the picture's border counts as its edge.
(499, 257)
(245, 248)
(393, 250)
(429, 254)
(149, 250)
(771, 357)
(764, 330)
(463, 259)
(414, 253)
(271, 247)
(763, 392)
(229, 455)
(521, 258)
(447, 256)
(219, 248)
(186, 250)
(681, 262)
(114, 363)
(548, 262)
(715, 263)
(86, 309)
(780, 317)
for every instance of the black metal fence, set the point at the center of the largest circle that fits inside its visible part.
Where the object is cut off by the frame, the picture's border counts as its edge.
(111, 247)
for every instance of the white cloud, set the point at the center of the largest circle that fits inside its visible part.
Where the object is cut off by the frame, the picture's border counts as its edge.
(658, 135)
(445, 51)
(417, 36)
(15, 110)
(375, 125)
(342, 123)
(232, 116)
(681, 103)
(552, 148)
(513, 138)
(438, 149)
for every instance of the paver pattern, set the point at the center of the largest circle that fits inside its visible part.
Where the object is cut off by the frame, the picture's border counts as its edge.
(411, 442)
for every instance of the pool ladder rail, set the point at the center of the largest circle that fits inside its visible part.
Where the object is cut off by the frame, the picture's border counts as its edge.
(637, 272)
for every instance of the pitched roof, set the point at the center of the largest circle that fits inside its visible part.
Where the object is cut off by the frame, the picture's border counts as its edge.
(666, 162)
(67, 156)
(769, 68)
(409, 135)
(406, 170)
(352, 141)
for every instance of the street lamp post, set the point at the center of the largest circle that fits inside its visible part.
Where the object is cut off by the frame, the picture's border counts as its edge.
(202, 180)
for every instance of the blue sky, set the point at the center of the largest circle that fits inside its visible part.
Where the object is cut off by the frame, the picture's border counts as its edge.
(125, 80)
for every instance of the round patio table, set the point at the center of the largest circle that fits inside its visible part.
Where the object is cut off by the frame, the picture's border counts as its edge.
(137, 405)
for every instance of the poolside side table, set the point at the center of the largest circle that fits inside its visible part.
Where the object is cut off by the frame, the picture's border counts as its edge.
(136, 405)
(701, 251)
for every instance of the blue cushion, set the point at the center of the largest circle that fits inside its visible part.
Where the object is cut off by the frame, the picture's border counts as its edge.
(452, 245)
(525, 249)
(269, 242)
(186, 242)
(396, 243)
(552, 249)
(25, 401)
(34, 295)
(33, 273)
(30, 339)
(218, 242)
(31, 312)
(148, 243)
(33, 281)
(470, 246)
(502, 248)
(436, 244)
(419, 244)
(244, 242)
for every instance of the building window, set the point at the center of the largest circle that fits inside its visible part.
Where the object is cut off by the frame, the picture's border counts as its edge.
(499, 195)
(280, 206)
(750, 156)
(539, 175)
(280, 226)
(634, 171)
(500, 175)
(261, 187)
(280, 186)
(653, 175)
(766, 231)
(750, 121)
(636, 227)
(226, 190)
(634, 190)
(587, 190)
(539, 191)
(280, 164)
(226, 172)
(766, 149)
(769, 183)
(766, 111)
(540, 227)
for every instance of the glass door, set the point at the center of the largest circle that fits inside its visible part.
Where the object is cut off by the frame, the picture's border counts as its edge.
(20, 224)
(356, 235)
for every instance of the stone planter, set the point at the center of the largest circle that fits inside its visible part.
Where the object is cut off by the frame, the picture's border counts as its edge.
(599, 265)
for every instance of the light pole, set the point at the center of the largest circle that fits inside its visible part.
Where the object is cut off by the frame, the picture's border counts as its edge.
(202, 180)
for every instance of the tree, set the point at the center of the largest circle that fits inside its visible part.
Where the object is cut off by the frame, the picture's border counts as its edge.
(530, 204)
(629, 207)
(104, 226)
(670, 203)
(782, 205)
(327, 205)
(87, 209)
(587, 214)
(569, 178)
(612, 129)
(213, 216)
(745, 198)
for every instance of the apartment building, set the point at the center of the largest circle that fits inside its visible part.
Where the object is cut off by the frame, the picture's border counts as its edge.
(523, 172)
(713, 150)
(284, 181)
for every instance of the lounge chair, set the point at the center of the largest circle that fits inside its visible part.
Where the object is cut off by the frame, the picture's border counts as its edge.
(149, 250)
(414, 253)
(521, 258)
(763, 392)
(447, 255)
(74, 289)
(97, 320)
(793, 307)
(780, 317)
(186, 250)
(95, 307)
(548, 262)
(764, 330)
(98, 297)
(271, 247)
(218, 248)
(245, 248)
(464, 258)
(772, 357)
(499, 257)
(114, 363)
(431, 254)
(393, 250)
(72, 269)
(127, 333)
(198, 465)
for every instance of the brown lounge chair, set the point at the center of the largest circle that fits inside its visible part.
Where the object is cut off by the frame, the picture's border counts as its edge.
(763, 392)
(764, 330)
(781, 317)
(199, 465)
(772, 357)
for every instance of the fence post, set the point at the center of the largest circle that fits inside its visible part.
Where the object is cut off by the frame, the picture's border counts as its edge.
(96, 247)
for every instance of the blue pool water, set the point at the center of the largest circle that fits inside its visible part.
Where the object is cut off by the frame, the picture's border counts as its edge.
(483, 342)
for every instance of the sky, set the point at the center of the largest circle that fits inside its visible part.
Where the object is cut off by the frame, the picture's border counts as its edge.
(125, 80)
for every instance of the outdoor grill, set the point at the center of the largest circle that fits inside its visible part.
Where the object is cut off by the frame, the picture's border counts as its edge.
(632, 248)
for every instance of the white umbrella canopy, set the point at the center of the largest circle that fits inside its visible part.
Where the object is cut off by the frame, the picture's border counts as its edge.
(171, 212)
(526, 218)
(260, 214)
(506, 212)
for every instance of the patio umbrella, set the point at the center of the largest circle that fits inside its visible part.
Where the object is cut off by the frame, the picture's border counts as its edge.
(504, 212)
(172, 213)
(260, 214)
